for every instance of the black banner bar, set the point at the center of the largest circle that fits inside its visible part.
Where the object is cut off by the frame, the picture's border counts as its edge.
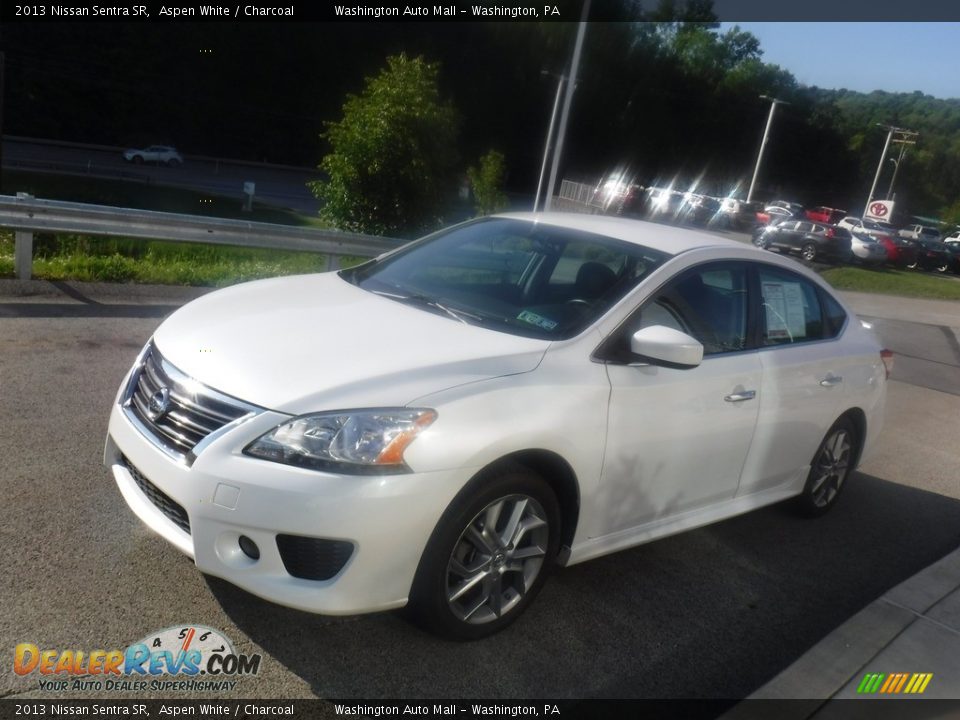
(378, 11)
(872, 709)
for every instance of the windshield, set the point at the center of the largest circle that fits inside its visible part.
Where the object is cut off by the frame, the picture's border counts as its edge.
(515, 276)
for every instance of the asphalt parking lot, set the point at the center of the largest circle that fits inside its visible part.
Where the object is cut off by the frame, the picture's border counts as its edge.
(712, 613)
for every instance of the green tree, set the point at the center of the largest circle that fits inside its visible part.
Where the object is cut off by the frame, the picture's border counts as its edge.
(393, 154)
(487, 182)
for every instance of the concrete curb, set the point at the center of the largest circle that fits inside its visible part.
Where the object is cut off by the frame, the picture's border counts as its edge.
(839, 660)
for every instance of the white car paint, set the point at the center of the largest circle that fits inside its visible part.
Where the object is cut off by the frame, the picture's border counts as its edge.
(654, 449)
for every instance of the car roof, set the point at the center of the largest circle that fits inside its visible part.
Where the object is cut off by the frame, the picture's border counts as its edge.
(656, 236)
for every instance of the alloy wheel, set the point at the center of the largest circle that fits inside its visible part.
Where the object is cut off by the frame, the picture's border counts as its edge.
(830, 468)
(497, 559)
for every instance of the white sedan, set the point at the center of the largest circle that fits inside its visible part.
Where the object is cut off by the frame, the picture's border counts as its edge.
(441, 426)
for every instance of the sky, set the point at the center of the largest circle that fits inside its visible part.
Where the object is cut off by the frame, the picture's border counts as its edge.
(896, 57)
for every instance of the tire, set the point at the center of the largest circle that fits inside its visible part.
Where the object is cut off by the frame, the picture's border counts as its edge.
(138, 159)
(809, 252)
(915, 265)
(943, 267)
(761, 242)
(173, 163)
(472, 583)
(829, 469)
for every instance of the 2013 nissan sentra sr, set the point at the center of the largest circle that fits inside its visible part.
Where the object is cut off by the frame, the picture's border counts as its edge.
(441, 426)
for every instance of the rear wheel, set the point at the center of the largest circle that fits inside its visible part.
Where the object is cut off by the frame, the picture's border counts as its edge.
(830, 468)
(489, 555)
(138, 159)
(809, 252)
(761, 242)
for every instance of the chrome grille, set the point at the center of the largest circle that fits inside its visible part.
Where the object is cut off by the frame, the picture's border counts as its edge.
(191, 413)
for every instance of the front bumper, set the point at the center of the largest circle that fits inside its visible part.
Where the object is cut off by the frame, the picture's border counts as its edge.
(225, 494)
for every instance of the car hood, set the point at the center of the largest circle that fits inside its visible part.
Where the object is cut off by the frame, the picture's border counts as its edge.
(316, 342)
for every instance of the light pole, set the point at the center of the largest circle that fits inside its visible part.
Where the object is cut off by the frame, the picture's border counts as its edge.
(567, 100)
(886, 146)
(896, 166)
(763, 143)
(546, 147)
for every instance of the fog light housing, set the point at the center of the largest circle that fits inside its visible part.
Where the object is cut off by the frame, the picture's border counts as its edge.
(249, 548)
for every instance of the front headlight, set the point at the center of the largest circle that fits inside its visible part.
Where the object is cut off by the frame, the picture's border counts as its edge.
(352, 441)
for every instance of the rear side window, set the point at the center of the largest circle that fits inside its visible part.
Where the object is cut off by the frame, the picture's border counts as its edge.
(791, 311)
(833, 315)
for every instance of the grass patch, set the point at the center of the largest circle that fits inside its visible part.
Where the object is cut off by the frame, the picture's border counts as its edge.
(147, 196)
(886, 281)
(90, 259)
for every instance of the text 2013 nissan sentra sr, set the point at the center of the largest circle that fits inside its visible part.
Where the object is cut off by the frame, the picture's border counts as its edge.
(440, 426)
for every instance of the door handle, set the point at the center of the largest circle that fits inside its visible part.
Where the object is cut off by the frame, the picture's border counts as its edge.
(831, 380)
(741, 396)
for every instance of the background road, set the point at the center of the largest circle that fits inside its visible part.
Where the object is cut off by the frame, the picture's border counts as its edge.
(711, 613)
(275, 184)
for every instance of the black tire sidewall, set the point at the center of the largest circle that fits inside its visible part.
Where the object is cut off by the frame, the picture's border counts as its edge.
(428, 605)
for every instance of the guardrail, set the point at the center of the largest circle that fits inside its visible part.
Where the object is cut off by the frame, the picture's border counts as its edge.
(27, 215)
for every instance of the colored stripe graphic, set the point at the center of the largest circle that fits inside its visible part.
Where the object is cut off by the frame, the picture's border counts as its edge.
(894, 683)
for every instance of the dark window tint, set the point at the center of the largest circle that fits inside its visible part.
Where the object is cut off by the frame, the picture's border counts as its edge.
(708, 303)
(834, 315)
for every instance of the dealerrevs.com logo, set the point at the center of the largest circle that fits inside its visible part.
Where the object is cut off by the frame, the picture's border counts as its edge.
(200, 657)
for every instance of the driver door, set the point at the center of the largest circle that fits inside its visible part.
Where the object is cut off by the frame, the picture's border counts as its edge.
(677, 439)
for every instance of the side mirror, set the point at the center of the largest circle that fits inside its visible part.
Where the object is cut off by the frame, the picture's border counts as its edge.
(665, 346)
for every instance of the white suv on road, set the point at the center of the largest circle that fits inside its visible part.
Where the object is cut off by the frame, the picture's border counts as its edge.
(162, 154)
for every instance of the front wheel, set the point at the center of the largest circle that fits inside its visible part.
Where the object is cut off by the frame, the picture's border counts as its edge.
(809, 252)
(829, 470)
(489, 555)
(761, 242)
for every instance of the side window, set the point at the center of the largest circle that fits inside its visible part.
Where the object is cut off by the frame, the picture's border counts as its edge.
(708, 303)
(834, 315)
(790, 309)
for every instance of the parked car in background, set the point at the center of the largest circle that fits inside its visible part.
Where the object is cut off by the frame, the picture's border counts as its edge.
(742, 214)
(932, 255)
(541, 390)
(867, 250)
(794, 207)
(901, 252)
(770, 213)
(954, 251)
(814, 241)
(920, 232)
(826, 215)
(701, 210)
(859, 226)
(161, 154)
(953, 237)
(662, 203)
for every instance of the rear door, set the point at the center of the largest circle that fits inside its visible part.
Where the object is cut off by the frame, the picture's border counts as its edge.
(802, 390)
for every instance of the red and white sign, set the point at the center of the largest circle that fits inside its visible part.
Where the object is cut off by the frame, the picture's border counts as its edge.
(879, 210)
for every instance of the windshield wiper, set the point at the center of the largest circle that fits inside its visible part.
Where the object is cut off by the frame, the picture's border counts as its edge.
(429, 302)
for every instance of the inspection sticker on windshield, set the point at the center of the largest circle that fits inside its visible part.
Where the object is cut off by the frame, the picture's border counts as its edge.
(534, 319)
